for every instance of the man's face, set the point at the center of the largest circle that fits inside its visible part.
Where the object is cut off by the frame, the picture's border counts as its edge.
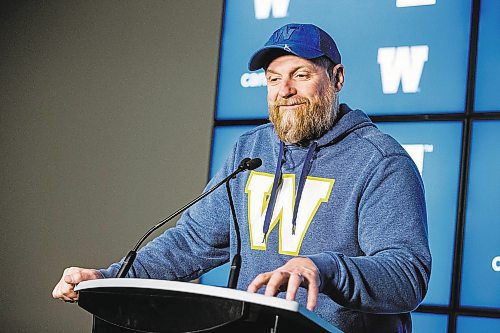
(301, 98)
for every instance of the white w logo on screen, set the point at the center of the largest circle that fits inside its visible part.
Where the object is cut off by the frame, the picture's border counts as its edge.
(414, 3)
(263, 8)
(259, 184)
(417, 153)
(402, 64)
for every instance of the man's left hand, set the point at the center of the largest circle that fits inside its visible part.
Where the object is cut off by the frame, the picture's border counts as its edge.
(297, 272)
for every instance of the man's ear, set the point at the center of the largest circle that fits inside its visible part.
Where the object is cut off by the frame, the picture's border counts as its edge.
(338, 77)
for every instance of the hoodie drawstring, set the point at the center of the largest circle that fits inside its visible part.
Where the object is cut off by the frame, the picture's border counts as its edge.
(277, 180)
(274, 191)
(303, 176)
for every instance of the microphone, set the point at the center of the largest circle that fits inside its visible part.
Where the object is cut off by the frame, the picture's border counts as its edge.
(245, 164)
(253, 163)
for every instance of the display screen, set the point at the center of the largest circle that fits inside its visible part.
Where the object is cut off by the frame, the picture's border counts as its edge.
(477, 324)
(399, 58)
(223, 140)
(488, 66)
(481, 258)
(429, 322)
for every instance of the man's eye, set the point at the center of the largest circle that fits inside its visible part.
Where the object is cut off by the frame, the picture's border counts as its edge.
(273, 79)
(301, 75)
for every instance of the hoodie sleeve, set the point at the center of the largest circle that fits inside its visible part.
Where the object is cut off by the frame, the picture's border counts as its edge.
(198, 243)
(393, 274)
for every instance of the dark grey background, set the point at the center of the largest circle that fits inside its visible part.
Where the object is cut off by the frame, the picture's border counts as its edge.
(106, 113)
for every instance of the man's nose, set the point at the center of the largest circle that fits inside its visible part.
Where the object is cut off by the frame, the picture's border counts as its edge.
(287, 89)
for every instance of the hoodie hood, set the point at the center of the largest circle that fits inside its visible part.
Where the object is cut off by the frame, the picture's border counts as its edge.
(348, 120)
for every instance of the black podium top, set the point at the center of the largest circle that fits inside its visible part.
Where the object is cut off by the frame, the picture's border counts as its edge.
(147, 305)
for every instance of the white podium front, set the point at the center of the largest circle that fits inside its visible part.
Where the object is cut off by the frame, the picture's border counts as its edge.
(146, 305)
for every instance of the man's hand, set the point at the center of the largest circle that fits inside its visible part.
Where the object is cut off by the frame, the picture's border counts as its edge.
(65, 289)
(297, 272)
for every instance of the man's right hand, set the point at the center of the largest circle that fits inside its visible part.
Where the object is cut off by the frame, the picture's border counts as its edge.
(65, 289)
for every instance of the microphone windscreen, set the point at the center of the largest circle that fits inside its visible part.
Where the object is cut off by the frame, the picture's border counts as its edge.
(244, 163)
(254, 163)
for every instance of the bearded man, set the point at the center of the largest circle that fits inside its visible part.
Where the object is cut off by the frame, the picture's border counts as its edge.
(334, 218)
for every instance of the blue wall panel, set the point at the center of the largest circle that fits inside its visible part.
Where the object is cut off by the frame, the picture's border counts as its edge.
(488, 65)
(481, 259)
(476, 324)
(429, 323)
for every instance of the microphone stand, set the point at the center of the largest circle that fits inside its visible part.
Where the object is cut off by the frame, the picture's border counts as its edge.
(246, 164)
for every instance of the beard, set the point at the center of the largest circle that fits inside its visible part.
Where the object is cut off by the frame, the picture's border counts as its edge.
(309, 121)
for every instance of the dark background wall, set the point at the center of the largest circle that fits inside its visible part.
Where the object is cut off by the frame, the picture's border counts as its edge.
(106, 109)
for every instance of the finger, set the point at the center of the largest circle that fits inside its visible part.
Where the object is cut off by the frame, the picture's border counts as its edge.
(70, 299)
(70, 278)
(294, 283)
(68, 291)
(259, 281)
(277, 279)
(74, 278)
(63, 290)
(312, 294)
(80, 275)
(55, 292)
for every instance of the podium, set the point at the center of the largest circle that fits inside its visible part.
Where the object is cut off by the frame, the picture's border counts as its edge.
(146, 305)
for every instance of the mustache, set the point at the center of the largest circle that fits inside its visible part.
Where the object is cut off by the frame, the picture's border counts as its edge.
(291, 101)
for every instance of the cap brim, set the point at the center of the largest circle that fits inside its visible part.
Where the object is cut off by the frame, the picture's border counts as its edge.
(265, 55)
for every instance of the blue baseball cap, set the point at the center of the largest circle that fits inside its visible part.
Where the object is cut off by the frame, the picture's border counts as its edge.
(303, 40)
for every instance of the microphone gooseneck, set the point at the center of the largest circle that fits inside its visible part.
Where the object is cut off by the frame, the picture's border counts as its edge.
(234, 271)
(245, 164)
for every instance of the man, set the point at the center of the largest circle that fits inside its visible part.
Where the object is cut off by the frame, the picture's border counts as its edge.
(335, 215)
